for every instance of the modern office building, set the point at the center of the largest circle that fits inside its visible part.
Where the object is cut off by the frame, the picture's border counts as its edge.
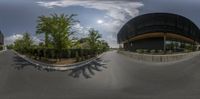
(1, 38)
(159, 31)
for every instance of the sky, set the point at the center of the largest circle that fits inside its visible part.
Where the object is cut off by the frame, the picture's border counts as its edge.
(106, 16)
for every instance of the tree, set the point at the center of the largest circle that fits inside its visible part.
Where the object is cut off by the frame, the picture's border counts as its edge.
(58, 27)
(27, 41)
(1, 47)
(24, 44)
(93, 39)
(43, 27)
(81, 44)
(11, 46)
(103, 45)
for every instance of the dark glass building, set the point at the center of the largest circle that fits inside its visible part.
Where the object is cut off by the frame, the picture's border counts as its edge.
(159, 31)
(1, 38)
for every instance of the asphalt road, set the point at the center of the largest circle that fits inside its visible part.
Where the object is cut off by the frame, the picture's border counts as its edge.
(120, 78)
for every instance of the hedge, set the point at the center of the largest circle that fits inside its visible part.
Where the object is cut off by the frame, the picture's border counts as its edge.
(65, 53)
(1, 47)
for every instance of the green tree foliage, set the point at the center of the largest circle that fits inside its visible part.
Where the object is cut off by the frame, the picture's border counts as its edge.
(1, 47)
(59, 41)
(43, 27)
(24, 44)
(103, 45)
(57, 27)
(81, 44)
(95, 43)
(92, 42)
(11, 46)
(93, 39)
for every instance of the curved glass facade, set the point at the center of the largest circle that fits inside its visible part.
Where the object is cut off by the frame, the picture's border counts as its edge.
(156, 30)
(1, 38)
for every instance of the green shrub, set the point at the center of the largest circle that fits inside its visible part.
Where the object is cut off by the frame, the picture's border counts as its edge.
(145, 51)
(170, 51)
(51, 53)
(77, 57)
(160, 51)
(153, 51)
(83, 58)
(69, 53)
(140, 51)
(1, 47)
(187, 51)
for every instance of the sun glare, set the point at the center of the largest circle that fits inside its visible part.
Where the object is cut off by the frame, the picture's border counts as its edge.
(99, 21)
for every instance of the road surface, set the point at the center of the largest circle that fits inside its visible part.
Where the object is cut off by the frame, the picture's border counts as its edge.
(120, 78)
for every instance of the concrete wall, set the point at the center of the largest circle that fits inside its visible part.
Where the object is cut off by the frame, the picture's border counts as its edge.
(160, 58)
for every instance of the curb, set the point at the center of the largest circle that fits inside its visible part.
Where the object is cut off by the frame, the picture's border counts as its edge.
(2, 51)
(160, 58)
(57, 67)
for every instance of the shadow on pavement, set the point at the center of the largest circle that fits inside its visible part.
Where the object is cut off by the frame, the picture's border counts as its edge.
(86, 70)
(89, 69)
(20, 63)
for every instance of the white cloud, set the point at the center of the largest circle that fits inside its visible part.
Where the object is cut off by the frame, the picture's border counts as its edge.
(11, 39)
(112, 41)
(80, 30)
(117, 12)
(36, 40)
(115, 9)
